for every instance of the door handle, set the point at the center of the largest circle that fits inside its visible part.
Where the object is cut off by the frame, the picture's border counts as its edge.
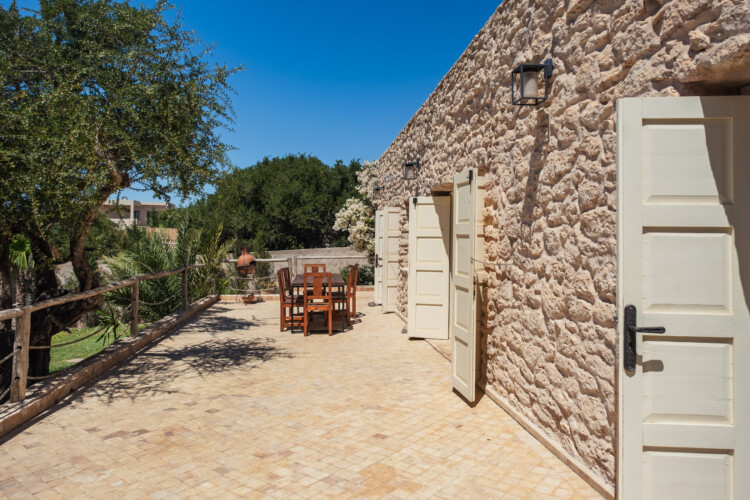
(376, 260)
(631, 328)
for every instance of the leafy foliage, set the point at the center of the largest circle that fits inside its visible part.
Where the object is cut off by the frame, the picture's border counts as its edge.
(365, 274)
(21, 256)
(357, 216)
(280, 203)
(162, 296)
(98, 96)
(105, 239)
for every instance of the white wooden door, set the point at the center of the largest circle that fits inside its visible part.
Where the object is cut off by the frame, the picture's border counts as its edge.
(467, 245)
(379, 239)
(684, 265)
(429, 270)
(392, 233)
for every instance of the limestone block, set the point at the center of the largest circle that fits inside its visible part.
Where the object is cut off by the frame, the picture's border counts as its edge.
(588, 78)
(635, 43)
(589, 194)
(582, 285)
(699, 41)
(676, 15)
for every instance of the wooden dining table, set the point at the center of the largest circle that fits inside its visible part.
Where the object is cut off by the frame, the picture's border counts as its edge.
(337, 282)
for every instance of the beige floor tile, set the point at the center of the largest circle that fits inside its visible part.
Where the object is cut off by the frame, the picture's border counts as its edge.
(229, 407)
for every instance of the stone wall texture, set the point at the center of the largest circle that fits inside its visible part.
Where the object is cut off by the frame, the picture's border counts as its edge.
(548, 319)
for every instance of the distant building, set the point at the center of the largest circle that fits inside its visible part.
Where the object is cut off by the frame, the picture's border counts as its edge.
(126, 212)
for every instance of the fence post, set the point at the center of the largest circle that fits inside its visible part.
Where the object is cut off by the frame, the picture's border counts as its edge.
(134, 300)
(184, 288)
(21, 357)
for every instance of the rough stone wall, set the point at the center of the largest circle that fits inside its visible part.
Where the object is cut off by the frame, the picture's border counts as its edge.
(548, 335)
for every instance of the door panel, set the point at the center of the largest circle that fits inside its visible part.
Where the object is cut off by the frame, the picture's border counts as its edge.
(684, 263)
(391, 272)
(379, 239)
(467, 244)
(429, 270)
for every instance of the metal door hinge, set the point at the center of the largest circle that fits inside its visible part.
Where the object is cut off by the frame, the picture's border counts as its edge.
(471, 176)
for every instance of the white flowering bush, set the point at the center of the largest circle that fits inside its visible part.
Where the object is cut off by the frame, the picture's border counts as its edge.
(367, 178)
(357, 216)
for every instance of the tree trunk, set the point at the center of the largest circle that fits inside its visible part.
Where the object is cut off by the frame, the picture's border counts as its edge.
(43, 326)
(87, 278)
(6, 333)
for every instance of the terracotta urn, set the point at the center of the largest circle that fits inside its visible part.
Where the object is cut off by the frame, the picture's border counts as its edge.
(248, 299)
(245, 263)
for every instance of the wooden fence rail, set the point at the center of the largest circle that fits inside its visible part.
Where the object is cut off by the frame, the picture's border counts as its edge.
(22, 315)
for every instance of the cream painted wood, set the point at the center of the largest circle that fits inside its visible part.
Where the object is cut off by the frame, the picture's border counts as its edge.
(379, 238)
(429, 269)
(467, 246)
(392, 233)
(684, 263)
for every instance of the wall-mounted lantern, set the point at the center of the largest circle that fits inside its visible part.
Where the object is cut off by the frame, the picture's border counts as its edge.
(411, 169)
(528, 83)
(377, 191)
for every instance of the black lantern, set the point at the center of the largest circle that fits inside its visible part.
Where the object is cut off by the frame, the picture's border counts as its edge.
(377, 191)
(528, 83)
(411, 169)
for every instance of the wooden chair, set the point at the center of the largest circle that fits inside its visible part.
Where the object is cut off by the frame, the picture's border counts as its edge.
(285, 300)
(318, 297)
(348, 299)
(351, 293)
(315, 268)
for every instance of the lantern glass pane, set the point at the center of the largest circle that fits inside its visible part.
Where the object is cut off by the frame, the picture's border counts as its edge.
(410, 172)
(530, 84)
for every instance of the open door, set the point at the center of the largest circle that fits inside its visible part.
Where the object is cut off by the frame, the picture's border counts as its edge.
(683, 295)
(378, 268)
(429, 270)
(391, 235)
(467, 246)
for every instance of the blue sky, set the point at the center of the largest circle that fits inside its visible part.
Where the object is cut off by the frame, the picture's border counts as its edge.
(333, 79)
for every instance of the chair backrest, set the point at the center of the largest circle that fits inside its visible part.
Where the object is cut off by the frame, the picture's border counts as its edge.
(285, 282)
(317, 287)
(315, 268)
(351, 284)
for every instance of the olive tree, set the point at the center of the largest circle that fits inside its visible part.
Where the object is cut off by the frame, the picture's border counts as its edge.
(97, 96)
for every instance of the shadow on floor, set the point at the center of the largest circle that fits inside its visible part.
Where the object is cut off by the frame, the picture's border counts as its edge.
(216, 320)
(160, 369)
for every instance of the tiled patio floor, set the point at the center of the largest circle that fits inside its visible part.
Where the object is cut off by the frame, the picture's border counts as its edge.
(228, 406)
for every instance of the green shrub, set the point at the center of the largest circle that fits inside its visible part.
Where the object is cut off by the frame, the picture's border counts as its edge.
(366, 275)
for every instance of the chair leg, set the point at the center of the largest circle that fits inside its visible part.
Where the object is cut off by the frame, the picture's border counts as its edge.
(305, 320)
(330, 320)
(348, 312)
(283, 317)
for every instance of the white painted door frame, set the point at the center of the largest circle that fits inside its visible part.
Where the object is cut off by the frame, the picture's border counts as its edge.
(684, 264)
